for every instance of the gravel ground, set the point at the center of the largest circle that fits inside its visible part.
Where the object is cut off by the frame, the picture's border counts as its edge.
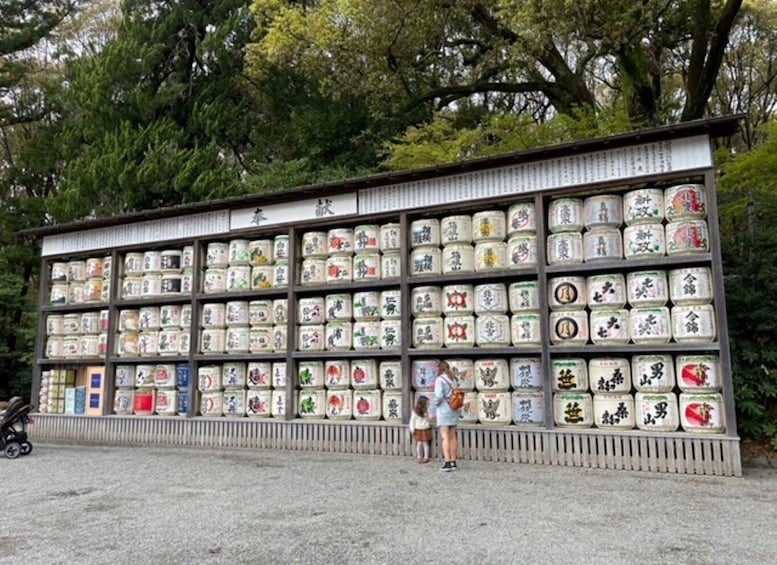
(92, 505)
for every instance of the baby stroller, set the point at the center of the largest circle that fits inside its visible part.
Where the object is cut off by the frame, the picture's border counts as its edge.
(13, 428)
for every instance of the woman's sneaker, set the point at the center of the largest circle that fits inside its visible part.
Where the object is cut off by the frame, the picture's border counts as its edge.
(447, 467)
(453, 466)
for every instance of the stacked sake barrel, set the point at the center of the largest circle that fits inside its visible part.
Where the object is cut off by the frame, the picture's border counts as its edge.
(80, 281)
(77, 335)
(54, 383)
(242, 265)
(145, 389)
(151, 331)
(238, 389)
(342, 389)
(152, 274)
(242, 326)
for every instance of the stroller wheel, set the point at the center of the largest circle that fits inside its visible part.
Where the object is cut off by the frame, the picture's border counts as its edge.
(12, 450)
(26, 447)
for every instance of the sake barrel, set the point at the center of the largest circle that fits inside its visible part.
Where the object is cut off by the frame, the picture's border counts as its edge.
(366, 266)
(339, 269)
(169, 341)
(491, 298)
(152, 261)
(390, 265)
(127, 344)
(278, 407)
(133, 264)
(262, 277)
(94, 268)
(602, 244)
(148, 343)
(687, 237)
(144, 402)
(698, 373)
(166, 402)
(463, 372)
(603, 211)
(458, 258)
(650, 325)
(310, 338)
(366, 335)
(614, 411)
(234, 403)
(428, 332)
(54, 347)
(258, 403)
(391, 304)
(55, 324)
(260, 313)
(88, 346)
(259, 375)
(425, 233)
(184, 343)
(609, 327)
(93, 290)
(312, 404)
(217, 255)
(456, 229)
(644, 241)
(310, 310)
(366, 237)
(187, 257)
(214, 315)
(214, 280)
(523, 296)
(186, 315)
(281, 274)
(367, 404)
(58, 294)
(364, 374)
(339, 404)
(647, 288)
(75, 293)
(171, 283)
(279, 338)
(456, 299)
(340, 241)
(691, 285)
(653, 373)
(337, 373)
(492, 330)
(164, 375)
(643, 206)
(609, 375)
(233, 375)
(280, 248)
(124, 402)
(390, 334)
(339, 307)
(565, 215)
(238, 252)
(491, 375)
(390, 375)
(212, 404)
(694, 323)
(469, 411)
(528, 408)
(170, 316)
(338, 336)
(656, 412)
(392, 406)
(426, 260)
(426, 301)
(569, 327)
(170, 261)
(521, 218)
(312, 271)
(279, 374)
(71, 346)
(187, 281)
(260, 252)
(490, 256)
(459, 330)
(238, 278)
(144, 375)
(183, 402)
(59, 272)
(149, 318)
(702, 412)
(390, 237)
(76, 271)
(525, 329)
(573, 410)
(71, 324)
(424, 373)
(280, 310)
(212, 340)
(90, 323)
(182, 376)
(606, 291)
(685, 202)
(495, 408)
(565, 248)
(569, 374)
(310, 374)
(526, 373)
(522, 252)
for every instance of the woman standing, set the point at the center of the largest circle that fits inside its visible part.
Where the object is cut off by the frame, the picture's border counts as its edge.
(447, 418)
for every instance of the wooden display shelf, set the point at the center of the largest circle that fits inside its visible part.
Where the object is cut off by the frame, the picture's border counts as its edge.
(346, 287)
(228, 357)
(150, 360)
(472, 277)
(625, 265)
(476, 352)
(155, 301)
(68, 308)
(258, 294)
(712, 347)
(350, 354)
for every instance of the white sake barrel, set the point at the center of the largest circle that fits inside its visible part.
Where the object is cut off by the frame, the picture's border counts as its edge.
(105, 291)
(312, 271)
(459, 330)
(339, 404)
(312, 404)
(310, 374)
(687, 237)
(258, 403)
(133, 264)
(238, 252)
(603, 211)
(391, 304)
(528, 408)
(691, 285)
(390, 265)
(650, 325)
(614, 411)
(281, 274)
(238, 278)
(565, 215)
(186, 315)
(522, 252)
(338, 336)
(59, 272)
(464, 372)
(653, 373)
(390, 237)
(171, 283)
(217, 255)
(149, 318)
(495, 408)
(169, 341)
(458, 258)
(76, 271)
(144, 402)
(698, 373)
(392, 406)
(491, 299)
(390, 375)
(694, 323)
(425, 233)
(280, 248)
(643, 206)
(170, 316)
(702, 412)
(280, 339)
(93, 290)
(565, 248)
(573, 410)
(170, 261)
(262, 277)
(144, 375)
(366, 335)
(102, 344)
(457, 299)
(94, 268)
(187, 281)
(151, 285)
(75, 293)
(236, 339)
(278, 406)
(310, 310)
(425, 371)
(184, 343)
(469, 411)
(107, 267)
(685, 202)
(569, 327)
(148, 343)
(339, 307)
(90, 323)
(339, 269)
(88, 346)
(366, 266)
(164, 375)
(259, 374)
(127, 344)
(428, 332)
(58, 294)
(280, 310)
(55, 324)
(260, 313)
(489, 225)
(212, 404)
(152, 261)
(523, 296)
(602, 244)
(609, 327)
(426, 260)
(187, 257)
(647, 288)
(656, 412)
(609, 375)
(260, 252)
(492, 330)
(214, 281)
(526, 373)
(71, 324)
(491, 375)
(123, 402)
(166, 402)
(426, 301)
(124, 376)
(606, 291)
(212, 340)
(490, 256)
(521, 218)
(569, 374)
(213, 315)
(644, 241)
(71, 346)
(233, 375)
(337, 374)
(390, 334)
(340, 241)
(367, 404)
(310, 337)
(279, 374)
(366, 237)
(364, 374)
(456, 229)
(525, 329)
(236, 313)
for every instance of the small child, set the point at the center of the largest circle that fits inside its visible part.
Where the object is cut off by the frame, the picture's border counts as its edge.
(421, 429)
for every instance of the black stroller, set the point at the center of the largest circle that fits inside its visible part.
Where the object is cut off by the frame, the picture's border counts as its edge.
(13, 428)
